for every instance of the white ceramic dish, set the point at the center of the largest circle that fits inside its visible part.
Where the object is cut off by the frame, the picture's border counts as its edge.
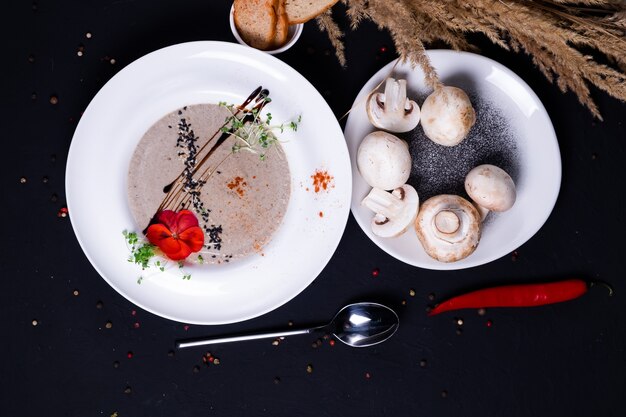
(292, 37)
(207, 72)
(539, 178)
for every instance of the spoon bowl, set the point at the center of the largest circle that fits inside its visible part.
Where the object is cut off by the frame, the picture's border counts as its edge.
(364, 324)
(357, 325)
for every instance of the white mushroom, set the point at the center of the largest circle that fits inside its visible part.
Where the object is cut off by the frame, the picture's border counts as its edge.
(392, 110)
(448, 226)
(395, 211)
(491, 188)
(384, 160)
(447, 116)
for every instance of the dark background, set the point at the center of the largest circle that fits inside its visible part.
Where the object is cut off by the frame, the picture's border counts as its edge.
(562, 360)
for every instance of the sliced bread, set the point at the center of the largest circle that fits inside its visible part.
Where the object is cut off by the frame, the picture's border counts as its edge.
(300, 11)
(282, 25)
(256, 21)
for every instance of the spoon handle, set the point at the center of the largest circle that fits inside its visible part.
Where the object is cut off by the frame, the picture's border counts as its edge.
(227, 339)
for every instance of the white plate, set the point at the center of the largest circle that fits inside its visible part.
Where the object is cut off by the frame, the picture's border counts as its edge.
(207, 72)
(539, 161)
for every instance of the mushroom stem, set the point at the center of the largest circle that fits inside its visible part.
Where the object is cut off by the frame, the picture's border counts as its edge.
(447, 221)
(384, 203)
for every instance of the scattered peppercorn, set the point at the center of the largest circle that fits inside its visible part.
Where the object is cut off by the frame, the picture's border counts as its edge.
(44, 179)
(99, 305)
(459, 322)
(116, 364)
(368, 375)
(127, 390)
(275, 342)
(136, 325)
(423, 363)
(412, 292)
(23, 180)
(31, 58)
(196, 369)
(171, 353)
(129, 355)
(216, 361)
(489, 323)
(35, 322)
(88, 35)
(482, 311)
(54, 100)
(54, 198)
(112, 61)
(444, 394)
(309, 369)
(459, 331)
(290, 323)
(108, 324)
(331, 342)
(375, 272)
(33, 96)
(431, 296)
(62, 212)
(403, 302)
(276, 380)
(76, 293)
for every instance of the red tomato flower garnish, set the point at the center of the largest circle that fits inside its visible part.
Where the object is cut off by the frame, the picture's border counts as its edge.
(176, 234)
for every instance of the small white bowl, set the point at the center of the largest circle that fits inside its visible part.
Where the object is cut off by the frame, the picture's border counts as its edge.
(292, 37)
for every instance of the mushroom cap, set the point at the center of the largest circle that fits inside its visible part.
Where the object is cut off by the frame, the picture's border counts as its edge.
(448, 226)
(447, 116)
(491, 187)
(395, 211)
(384, 160)
(392, 110)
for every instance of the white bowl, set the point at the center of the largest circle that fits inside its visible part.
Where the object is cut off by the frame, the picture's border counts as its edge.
(292, 37)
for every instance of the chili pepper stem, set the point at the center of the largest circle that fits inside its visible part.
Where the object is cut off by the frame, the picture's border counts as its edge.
(603, 284)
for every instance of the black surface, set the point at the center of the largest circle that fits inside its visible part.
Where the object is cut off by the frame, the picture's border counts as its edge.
(561, 360)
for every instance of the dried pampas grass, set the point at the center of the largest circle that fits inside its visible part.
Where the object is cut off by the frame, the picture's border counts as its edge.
(555, 33)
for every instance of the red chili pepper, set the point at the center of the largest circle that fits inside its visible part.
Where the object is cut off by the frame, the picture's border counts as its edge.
(522, 295)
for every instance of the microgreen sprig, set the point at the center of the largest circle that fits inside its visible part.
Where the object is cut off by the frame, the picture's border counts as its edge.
(258, 135)
(142, 254)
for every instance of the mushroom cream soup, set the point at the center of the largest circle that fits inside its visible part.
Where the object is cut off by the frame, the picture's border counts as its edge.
(239, 198)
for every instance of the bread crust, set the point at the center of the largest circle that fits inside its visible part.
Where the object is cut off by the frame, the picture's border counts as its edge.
(282, 25)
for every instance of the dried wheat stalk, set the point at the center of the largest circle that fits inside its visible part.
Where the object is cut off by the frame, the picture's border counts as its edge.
(553, 32)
